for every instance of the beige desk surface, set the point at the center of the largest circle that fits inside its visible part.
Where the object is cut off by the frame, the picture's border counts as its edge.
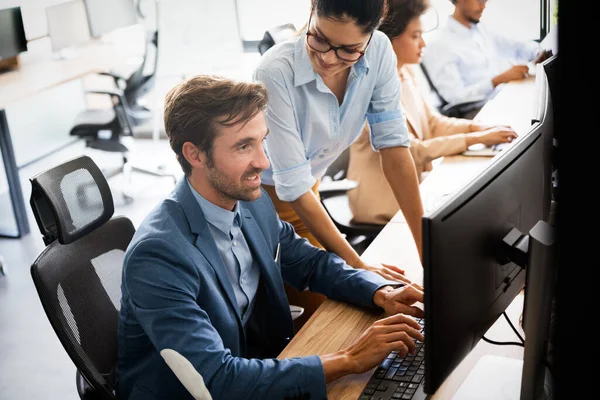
(42, 70)
(336, 325)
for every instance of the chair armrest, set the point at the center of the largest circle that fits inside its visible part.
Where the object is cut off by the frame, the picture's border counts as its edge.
(116, 77)
(189, 377)
(117, 94)
(334, 188)
(459, 109)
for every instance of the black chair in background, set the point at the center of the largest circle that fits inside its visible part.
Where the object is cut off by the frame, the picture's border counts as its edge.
(139, 83)
(333, 191)
(459, 110)
(276, 34)
(104, 129)
(78, 275)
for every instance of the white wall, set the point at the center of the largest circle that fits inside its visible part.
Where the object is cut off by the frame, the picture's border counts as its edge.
(256, 16)
(517, 18)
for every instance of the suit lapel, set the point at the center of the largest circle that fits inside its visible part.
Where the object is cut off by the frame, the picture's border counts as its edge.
(204, 241)
(269, 269)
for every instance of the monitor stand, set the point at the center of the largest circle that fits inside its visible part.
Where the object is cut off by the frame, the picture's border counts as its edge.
(495, 378)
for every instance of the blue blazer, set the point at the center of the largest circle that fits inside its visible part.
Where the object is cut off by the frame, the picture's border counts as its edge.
(176, 294)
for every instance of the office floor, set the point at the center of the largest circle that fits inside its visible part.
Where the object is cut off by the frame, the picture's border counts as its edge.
(33, 364)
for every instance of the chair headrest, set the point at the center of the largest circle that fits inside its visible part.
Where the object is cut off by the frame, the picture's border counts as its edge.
(70, 200)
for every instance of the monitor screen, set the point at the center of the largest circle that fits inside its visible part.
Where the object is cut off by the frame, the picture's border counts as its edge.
(469, 278)
(105, 16)
(12, 33)
(67, 24)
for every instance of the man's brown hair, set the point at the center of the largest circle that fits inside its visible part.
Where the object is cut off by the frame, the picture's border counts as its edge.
(195, 108)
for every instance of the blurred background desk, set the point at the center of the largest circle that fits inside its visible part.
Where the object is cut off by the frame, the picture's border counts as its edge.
(336, 325)
(38, 104)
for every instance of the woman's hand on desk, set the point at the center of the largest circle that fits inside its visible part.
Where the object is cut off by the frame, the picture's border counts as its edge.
(390, 272)
(491, 136)
(400, 300)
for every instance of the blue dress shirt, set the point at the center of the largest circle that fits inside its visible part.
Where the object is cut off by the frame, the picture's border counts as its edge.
(308, 127)
(462, 61)
(226, 229)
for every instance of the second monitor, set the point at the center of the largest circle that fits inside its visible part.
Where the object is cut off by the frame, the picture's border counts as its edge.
(476, 260)
(67, 25)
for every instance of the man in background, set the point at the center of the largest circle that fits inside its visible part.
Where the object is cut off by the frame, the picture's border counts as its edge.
(468, 61)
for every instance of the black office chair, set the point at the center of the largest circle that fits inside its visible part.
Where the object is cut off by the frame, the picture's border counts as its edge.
(78, 275)
(103, 129)
(276, 34)
(333, 191)
(139, 83)
(461, 110)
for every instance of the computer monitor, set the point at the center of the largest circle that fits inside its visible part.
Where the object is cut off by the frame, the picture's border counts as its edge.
(481, 247)
(12, 33)
(67, 24)
(105, 16)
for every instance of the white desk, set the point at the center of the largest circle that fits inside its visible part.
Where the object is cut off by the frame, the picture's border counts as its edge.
(24, 92)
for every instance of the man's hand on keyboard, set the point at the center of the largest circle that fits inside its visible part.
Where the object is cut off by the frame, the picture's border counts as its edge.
(395, 333)
(400, 300)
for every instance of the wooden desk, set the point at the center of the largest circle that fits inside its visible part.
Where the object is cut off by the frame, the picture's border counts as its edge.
(336, 325)
(40, 72)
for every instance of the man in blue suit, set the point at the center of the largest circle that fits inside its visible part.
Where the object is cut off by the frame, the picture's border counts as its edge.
(203, 275)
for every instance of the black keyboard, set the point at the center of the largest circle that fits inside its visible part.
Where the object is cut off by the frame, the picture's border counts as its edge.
(397, 377)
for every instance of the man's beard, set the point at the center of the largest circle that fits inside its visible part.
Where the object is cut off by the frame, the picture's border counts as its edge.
(234, 190)
(473, 21)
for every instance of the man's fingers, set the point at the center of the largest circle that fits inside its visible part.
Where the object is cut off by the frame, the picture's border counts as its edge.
(400, 319)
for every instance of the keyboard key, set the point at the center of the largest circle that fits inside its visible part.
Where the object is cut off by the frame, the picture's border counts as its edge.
(391, 372)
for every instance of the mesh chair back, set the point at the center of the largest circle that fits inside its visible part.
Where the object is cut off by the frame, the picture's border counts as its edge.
(142, 80)
(78, 275)
(276, 34)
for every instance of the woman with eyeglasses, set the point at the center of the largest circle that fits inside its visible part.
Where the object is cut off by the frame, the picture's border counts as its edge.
(432, 135)
(338, 73)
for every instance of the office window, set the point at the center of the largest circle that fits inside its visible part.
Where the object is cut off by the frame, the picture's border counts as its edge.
(517, 18)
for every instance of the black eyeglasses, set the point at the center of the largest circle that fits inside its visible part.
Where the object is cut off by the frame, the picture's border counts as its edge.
(321, 45)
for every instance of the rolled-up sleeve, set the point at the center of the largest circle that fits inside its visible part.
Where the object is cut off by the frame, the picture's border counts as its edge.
(385, 117)
(285, 149)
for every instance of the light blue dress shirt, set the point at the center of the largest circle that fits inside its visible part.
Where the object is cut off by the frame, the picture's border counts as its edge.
(462, 61)
(308, 128)
(243, 271)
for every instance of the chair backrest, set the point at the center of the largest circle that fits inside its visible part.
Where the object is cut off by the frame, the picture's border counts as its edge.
(339, 168)
(333, 190)
(439, 100)
(78, 275)
(276, 34)
(143, 79)
(460, 110)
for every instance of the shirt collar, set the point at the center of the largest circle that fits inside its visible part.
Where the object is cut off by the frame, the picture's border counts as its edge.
(459, 28)
(220, 218)
(303, 68)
